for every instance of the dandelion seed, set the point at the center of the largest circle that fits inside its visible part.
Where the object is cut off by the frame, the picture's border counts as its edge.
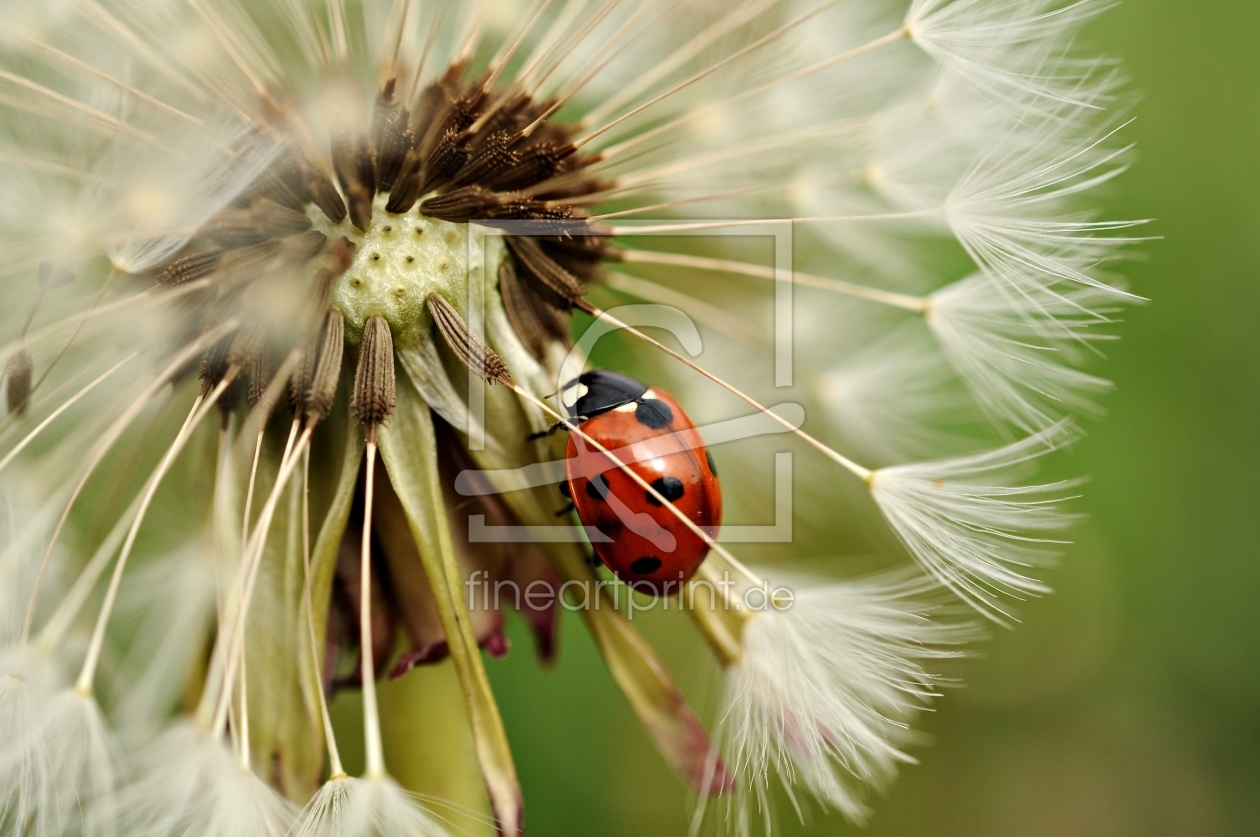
(366, 807)
(969, 530)
(825, 693)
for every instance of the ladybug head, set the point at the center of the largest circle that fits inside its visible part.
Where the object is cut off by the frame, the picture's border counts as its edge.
(599, 391)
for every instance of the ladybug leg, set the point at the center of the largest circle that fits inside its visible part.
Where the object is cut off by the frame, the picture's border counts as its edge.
(560, 425)
(568, 508)
(544, 433)
(593, 560)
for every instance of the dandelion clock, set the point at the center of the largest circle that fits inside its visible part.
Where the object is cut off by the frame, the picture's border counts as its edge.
(340, 336)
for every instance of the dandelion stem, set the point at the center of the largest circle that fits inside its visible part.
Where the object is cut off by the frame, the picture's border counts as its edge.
(374, 749)
(907, 302)
(684, 226)
(112, 435)
(719, 622)
(679, 57)
(66, 405)
(43, 565)
(251, 562)
(705, 73)
(636, 286)
(661, 207)
(240, 725)
(335, 768)
(249, 491)
(856, 52)
(201, 406)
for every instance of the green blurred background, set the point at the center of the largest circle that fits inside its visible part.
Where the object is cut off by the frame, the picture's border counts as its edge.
(1129, 702)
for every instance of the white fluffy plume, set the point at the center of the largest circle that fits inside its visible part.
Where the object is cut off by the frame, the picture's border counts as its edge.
(825, 692)
(59, 771)
(187, 782)
(211, 180)
(968, 527)
(1017, 355)
(351, 807)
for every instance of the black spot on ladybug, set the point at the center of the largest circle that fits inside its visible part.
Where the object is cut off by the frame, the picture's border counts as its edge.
(654, 413)
(646, 566)
(597, 489)
(565, 489)
(708, 457)
(671, 488)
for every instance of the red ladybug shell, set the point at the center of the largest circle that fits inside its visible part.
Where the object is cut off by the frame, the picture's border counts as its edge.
(640, 540)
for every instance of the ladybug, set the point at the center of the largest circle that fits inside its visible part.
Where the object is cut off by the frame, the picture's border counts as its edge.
(640, 540)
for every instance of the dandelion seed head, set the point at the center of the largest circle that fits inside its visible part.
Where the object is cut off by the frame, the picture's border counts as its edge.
(402, 259)
(289, 287)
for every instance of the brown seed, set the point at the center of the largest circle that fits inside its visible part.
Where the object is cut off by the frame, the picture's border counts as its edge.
(448, 157)
(261, 372)
(340, 255)
(305, 246)
(189, 268)
(264, 218)
(356, 171)
(245, 262)
(491, 159)
(468, 347)
(554, 221)
(406, 189)
(216, 362)
(392, 137)
(461, 205)
(543, 274)
(535, 165)
(374, 393)
(278, 219)
(325, 195)
(533, 320)
(326, 369)
(19, 370)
